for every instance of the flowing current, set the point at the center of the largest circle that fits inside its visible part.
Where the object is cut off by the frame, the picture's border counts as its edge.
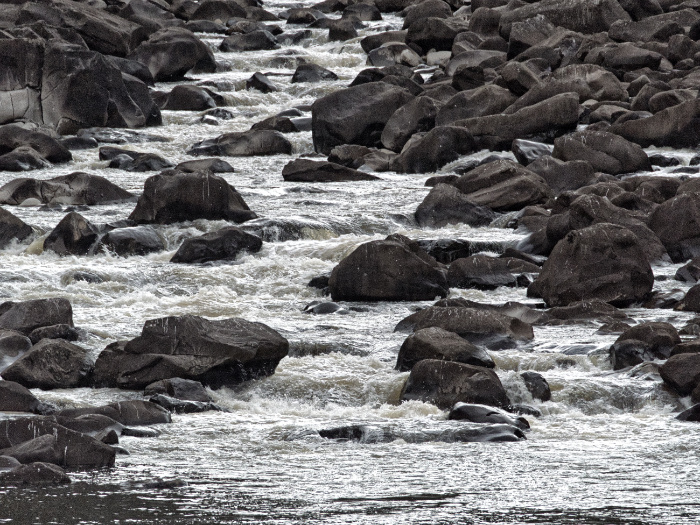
(607, 448)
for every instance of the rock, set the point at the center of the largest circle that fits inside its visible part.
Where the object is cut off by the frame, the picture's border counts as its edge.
(74, 235)
(395, 269)
(13, 136)
(445, 383)
(16, 398)
(487, 273)
(216, 353)
(305, 170)
(312, 73)
(260, 82)
(341, 30)
(481, 101)
(367, 434)
(12, 228)
(56, 331)
(416, 116)
(133, 68)
(26, 316)
(436, 148)
(690, 272)
(254, 41)
(173, 51)
(174, 197)
(677, 222)
(690, 414)
(34, 474)
(76, 188)
(435, 33)
(563, 176)
(691, 301)
(128, 413)
(537, 386)
(606, 152)
(180, 406)
(630, 352)
(675, 127)
(13, 343)
(356, 115)
(682, 372)
(486, 414)
(527, 151)
(603, 261)
(51, 363)
(213, 165)
(445, 205)
(244, 144)
(224, 244)
(179, 388)
(137, 240)
(436, 343)
(323, 308)
(23, 158)
(479, 327)
(189, 98)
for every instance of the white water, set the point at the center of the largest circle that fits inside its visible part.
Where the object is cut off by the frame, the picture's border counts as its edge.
(606, 450)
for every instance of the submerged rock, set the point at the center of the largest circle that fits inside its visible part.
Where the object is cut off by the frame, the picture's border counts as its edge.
(33, 474)
(369, 434)
(486, 414)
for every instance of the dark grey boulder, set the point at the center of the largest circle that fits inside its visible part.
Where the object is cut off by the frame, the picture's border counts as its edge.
(690, 302)
(23, 158)
(11, 228)
(605, 151)
(341, 30)
(528, 151)
(486, 414)
(485, 100)
(676, 127)
(305, 170)
(370, 434)
(690, 414)
(435, 33)
(180, 406)
(55, 331)
(136, 240)
(537, 386)
(312, 73)
(17, 398)
(13, 343)
(179, 388)
(216, 353)
(682, 372)
(445, 383)
(174, 197)
(34, 474)
(676, 222)
(436, 148)
(51, 363)
(140, 162)
(260, 82)
(73, 235)
(689, 272)
(416, 116)
(487, 273)
(244, 144)
(135, 412)
(224, 244)
(214, 165)
(563, 176)
(436, 343)
(395, 269)
(445, 205)
(188, 98)
(630, 352)
(254, 41)
(13, 136)
(26, 316)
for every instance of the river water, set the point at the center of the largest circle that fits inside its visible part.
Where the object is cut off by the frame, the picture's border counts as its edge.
(606, 450)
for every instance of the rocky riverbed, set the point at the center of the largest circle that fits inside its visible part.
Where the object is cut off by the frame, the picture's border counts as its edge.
(376, 262)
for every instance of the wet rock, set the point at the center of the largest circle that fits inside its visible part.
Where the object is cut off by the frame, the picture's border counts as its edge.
(34, 474)
(416, 116)
(51, 363)
(180, 406)
(341, 30)
(179, 388)
(224, 244)
(480, 327)
(137, 240)
(445, 205)
(244, 144)
(436, 148)
(356, 115)
(320, 282)
(173, 51)
(56, 331)
(689, 272)
(175, 196)
(395, 269)
(481, 101)
(305, 170)
(690, 414)
(606, 152)
(312, 73)
(17, 398)
(74, 235)
(260, 82)
(579, 311)
(527, 151)
(630, 352)
(691, 301)
(436, 343)
(188, 98)
(254, 41)
(130, 413)
(563, 176)
(682, 372)
(677, 222)
(120, 136)
(213, 165)
(12, 228)
(603, 261)
(26, 316)
(445, 383)
(73, 189)
(675, 127)
(435, 33)
(487, 273)
(23, 158)
(485, 414)
(367, 434)
(537, 385)
(376, 40)
(133, 68)
(216, 353)
(323, 308)
(13, 343)
(13, 136)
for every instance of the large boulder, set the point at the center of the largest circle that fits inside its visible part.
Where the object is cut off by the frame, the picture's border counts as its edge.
(216, 353)
(604, 151)
(224, 244)
(479, 102)
(51, 363)
(74, 235)
(135, 240)
(306, 170)
(445, 205)
(171, 52)
(677, 224)
(135, 412)
(73, 189)
(13, 136)
(27, 316)
(604, 261)
(682, 372)
(356, 115)
(444, 383)
(34, 474)
(175, 196)
(20, 88)
(17, 398)
(11, 228)
(436, 148)
(487, 273)
(244, 144)
(436, 343)
(481, 327)
(416, 116)
(179, 388)
(395, 269)
(676, 127)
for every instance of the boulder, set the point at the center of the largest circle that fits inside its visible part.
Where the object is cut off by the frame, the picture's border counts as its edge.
(480, 327)
(682, 372)
(677, 222)
(488, 273)
(136, 240)
(395, 269)
(23, 158)
(130, 413)
(676, 127)
(445, 383)
(689, 272)
(486, 414)
(690, 302)
(13, 136)
(139, 162)
(260, 82)
(369, 434)
(12, 228)
(630, 352)
(180, 406)
(224, 244)
(305, 170)
(435, 33)
(13, 343)
(416, 116)
(179, 388)
(22, 60)
(537, 386)
(312, 73)
(34, 474)
(563, 176)
(485, 100)
(603, 261)
(76, 188)
(436, 148)
(26, 316)
(74, 235)
(214, 165)
(254, 41)
(51, 363)
(445, 205)
(244, 144)
(188, 98)
(436, 343)
(690, 414)
(604, 151)
(659, 27)
(55, 331)
(173, 51)
(355, 115)
(216, 353)
(175, 196)
(17, 398)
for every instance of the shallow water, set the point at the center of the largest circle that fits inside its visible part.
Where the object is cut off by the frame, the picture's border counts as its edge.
(606, 450)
